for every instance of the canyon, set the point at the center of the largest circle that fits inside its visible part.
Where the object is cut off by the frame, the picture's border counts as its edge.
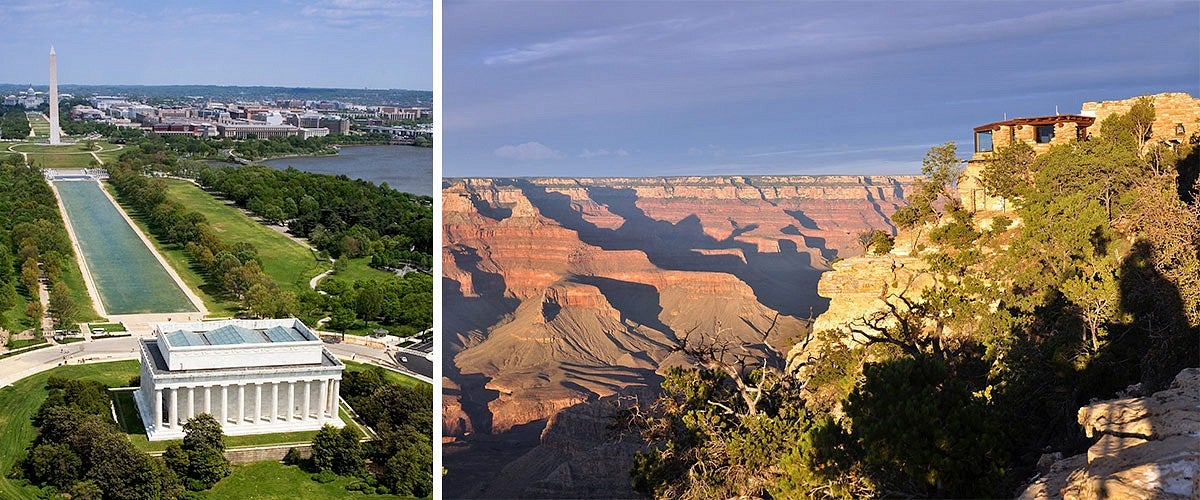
(562, 294)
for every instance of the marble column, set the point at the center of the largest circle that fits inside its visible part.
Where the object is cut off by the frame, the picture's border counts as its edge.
(173, 415)
(241, 414)
(191, 404)
(291, 400)
(158, 404)
(208, 399)
(258, 403)
(224, 406)
(307, 396)
(323, 400)
(275, 401)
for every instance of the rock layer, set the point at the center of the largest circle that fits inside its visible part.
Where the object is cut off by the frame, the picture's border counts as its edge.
(1147, 448)
(564, 290)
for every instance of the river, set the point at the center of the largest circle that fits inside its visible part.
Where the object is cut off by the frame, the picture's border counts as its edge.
(403, 168)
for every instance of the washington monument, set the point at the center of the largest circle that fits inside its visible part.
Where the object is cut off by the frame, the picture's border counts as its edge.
(54, 141)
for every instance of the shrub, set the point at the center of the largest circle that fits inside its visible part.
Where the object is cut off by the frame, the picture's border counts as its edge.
(325, 476)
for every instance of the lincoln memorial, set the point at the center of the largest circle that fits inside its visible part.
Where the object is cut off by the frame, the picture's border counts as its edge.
(253, 376)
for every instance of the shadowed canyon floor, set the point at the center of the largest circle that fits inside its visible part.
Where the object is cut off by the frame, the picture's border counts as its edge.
(561, 292)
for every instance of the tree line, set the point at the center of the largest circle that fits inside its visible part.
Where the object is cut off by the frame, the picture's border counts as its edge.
(13, 123)
(33, 243)
(342, 217)
(959, 390)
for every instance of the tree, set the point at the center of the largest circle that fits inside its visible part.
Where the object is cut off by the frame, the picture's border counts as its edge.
(941, 170)
(53, 464)
(64, 309)
(890, 415)
(409, 472)
(341, 319)
(324, 448)
(337, 450)
(204, 444)
(880, 242)
(86, 490)
(1009, 171)
(369, 302)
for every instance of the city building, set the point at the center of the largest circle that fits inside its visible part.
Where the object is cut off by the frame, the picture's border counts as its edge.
(1176, 119)
(253, 376)
(258, 131)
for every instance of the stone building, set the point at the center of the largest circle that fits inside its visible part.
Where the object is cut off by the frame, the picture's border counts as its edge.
(253, 376)
(1176, 119)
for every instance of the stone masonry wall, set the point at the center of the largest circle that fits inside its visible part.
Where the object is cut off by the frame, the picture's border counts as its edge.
(1171, 109)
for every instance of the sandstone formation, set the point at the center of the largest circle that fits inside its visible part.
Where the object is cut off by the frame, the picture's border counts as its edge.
(560, 292)
(1148, 447)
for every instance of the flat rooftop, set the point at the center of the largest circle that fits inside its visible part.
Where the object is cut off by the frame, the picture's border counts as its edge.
(158, 362)
(234, 333)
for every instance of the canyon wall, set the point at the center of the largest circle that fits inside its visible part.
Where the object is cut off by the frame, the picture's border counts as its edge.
(558, 292)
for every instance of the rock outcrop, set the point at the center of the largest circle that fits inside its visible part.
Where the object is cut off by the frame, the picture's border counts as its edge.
(1148, 447)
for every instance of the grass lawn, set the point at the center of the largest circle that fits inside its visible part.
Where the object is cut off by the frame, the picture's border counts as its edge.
(351, 270)
(60, 160)
(392, 376)
(21, 401)
(15, 319)
(108, 327)
(48, 149)
(217, 306)
(273, 480)
(39, 124)
(17, 344)
(284, 260)
(73, 277)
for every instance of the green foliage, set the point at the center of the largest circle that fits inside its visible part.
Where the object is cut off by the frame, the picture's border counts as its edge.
(880, 242)
(14, 124)
(941, 171)
(912, 418)
(204, 445)
(337, 451)
(1009, 171)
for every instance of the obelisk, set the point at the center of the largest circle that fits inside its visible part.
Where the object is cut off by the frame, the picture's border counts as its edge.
(53, 99)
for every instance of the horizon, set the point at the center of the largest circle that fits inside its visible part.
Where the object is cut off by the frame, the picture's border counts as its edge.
(284, 43)
(61, 85)
(677, 89)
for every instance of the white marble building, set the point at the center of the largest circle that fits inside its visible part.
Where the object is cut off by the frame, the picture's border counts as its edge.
(254, 376)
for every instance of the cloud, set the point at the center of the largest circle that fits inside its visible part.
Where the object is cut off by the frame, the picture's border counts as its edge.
(592, 153)
(527, 152)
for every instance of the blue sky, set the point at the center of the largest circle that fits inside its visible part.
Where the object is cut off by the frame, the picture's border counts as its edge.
(295, 43)
(673, 88)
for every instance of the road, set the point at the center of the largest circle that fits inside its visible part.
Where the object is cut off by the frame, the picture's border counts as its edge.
(121, 348)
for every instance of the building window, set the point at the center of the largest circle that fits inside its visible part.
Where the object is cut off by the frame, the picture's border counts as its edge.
(983, 141)
(1045, 133)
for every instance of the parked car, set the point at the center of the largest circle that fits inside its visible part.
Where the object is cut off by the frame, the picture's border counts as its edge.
(403, 359)
(98, 331)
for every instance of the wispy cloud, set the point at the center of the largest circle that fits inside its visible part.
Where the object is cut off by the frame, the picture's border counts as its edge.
(527, 151)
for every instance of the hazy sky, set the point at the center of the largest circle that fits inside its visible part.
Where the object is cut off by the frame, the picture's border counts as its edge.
(671, 88)
(295, 43)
